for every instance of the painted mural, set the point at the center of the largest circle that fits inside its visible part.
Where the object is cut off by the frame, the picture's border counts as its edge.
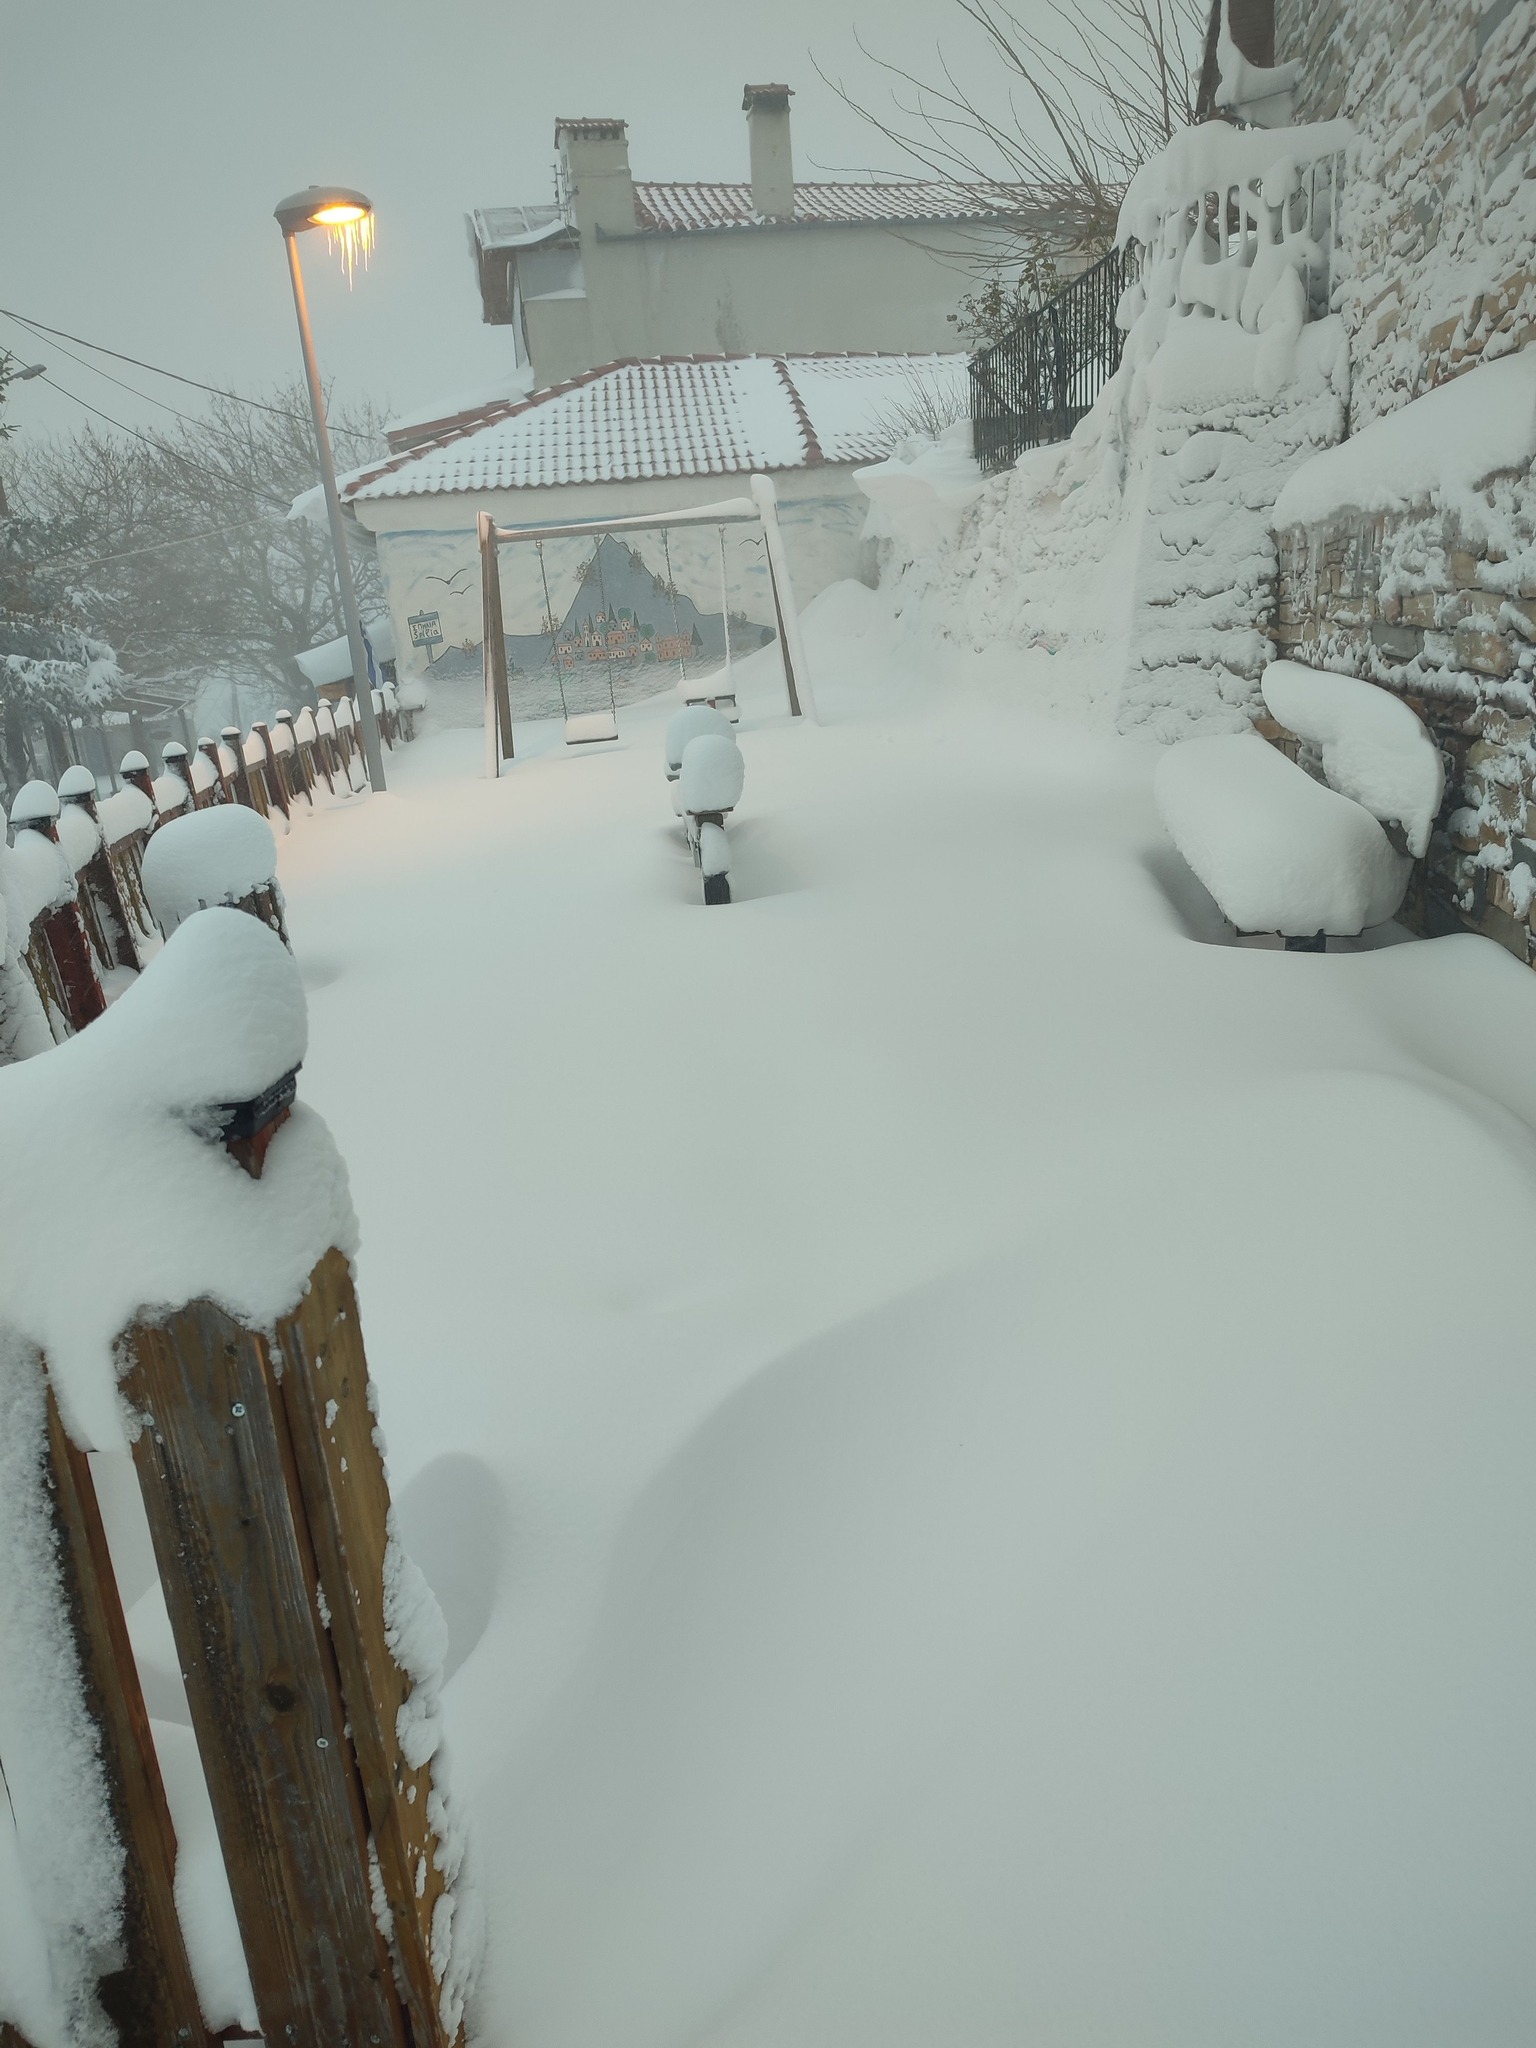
(586, 621)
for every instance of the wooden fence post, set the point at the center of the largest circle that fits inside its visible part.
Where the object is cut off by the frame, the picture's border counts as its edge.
(216, 1469)
(152, 2000)
(498, 701)
(269, 1508)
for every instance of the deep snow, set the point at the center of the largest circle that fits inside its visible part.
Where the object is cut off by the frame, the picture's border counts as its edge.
(972, 1438)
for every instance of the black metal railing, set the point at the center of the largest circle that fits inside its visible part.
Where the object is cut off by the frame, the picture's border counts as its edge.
(1035, 384)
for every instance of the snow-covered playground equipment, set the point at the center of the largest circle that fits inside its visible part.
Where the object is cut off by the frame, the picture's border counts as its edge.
(708, 788)
(587, 726)
(1281, 851)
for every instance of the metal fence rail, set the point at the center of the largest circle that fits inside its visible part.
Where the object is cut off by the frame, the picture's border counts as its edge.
(1035, 384)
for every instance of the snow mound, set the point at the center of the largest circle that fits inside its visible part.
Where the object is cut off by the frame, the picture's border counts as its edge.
(77, 781)
(216, 856)
(919, 494)
(117, 1132)
(1374, 748)
(1279, 852)
(689, 724)
(712, 773)
(1439, 448)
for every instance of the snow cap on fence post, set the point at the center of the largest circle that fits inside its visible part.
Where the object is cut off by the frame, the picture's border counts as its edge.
(35, 808)
(78, 786)
(216, 1019)
(134, 769)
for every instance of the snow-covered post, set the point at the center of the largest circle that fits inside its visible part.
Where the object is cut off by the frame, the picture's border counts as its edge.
(53, 889)
(277, 788)
(152, 1998)
(310, 1647)
(241, 779)
(100, 894)
(84, 1822)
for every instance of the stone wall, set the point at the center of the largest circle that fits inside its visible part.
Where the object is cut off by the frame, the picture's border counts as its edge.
(1435, 271)
(1436, 265)
(1406, 602)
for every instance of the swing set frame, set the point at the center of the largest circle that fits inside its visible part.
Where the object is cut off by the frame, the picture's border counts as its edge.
(761, 509)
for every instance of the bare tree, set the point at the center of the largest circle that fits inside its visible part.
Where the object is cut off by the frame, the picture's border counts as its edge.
(183, 552)
(1089, 96)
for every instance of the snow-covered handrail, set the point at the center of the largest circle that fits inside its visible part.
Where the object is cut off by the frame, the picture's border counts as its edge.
(1237, 224)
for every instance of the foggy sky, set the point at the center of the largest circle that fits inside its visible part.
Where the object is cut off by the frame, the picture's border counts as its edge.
(143, 148)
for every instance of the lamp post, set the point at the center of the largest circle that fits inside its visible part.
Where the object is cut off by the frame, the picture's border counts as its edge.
(350, 214)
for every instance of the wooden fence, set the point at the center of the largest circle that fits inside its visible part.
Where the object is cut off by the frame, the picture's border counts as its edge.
(267, 1500)
(73, 948)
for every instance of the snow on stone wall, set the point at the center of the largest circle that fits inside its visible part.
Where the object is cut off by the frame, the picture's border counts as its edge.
(1145, 541)
(1408, 556)
(1437, 226)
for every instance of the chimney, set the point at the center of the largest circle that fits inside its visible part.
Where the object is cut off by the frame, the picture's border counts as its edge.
(595, 159)
(773, 171)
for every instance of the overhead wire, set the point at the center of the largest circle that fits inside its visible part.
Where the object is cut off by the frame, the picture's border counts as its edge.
(154, 547)
(186, 461)
(132, 390)
(155, 369)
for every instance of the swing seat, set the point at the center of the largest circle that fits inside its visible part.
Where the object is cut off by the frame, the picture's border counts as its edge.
(587, 728)
(723, 701)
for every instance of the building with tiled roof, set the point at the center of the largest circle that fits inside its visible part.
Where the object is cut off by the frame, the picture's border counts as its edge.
(633, 438)
(619, 268)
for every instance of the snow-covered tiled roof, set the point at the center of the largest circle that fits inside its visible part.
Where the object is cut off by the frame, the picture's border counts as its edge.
(677, 416)
(677, 208)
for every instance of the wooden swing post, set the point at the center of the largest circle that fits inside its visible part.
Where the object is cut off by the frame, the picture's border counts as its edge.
(498, 699)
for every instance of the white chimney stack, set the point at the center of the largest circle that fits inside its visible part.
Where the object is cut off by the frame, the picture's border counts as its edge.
(773, 171)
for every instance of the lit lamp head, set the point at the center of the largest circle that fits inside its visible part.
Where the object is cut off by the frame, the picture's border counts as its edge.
(346, 216)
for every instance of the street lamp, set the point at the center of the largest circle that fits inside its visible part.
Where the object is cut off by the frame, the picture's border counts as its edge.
(348, 216)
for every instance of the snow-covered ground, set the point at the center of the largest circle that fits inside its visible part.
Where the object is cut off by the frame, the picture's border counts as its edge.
(974, 1439)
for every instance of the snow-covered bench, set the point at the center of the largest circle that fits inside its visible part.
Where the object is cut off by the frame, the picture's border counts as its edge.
(710, 782)
(1278, 850)
(1371, 746)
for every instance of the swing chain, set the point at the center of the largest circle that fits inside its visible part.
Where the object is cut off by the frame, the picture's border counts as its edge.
(552, 629)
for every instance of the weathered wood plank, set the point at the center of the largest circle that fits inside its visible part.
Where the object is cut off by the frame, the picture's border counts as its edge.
(215, 1466)
(498, 698)
(152, 2000)
(346, 1496)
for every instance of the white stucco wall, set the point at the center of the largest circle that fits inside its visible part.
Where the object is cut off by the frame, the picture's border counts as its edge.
(793, 289)
(429, 560)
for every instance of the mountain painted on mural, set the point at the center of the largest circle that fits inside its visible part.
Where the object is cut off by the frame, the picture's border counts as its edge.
(627, 630)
